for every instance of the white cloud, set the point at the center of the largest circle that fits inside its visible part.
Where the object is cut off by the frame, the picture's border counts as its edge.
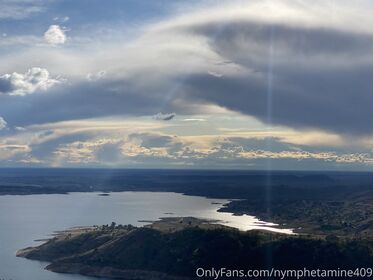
(62, 19)
(20, 128)
(215, 74)
(55, 35)
(3, 123)
(22, 84)
(194, 120)
(96, 76)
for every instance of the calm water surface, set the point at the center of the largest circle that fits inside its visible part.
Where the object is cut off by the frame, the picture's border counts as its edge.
(24, 219)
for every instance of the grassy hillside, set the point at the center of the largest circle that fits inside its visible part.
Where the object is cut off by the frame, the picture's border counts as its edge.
(180, 252)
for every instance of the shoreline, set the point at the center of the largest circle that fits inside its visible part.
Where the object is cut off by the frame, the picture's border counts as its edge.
(118, 251)
(166, 225)
(261, 224)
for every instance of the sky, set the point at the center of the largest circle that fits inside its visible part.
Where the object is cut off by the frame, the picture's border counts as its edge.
(255, 84)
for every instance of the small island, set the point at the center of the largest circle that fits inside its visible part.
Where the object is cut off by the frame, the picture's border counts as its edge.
(104, 194)
(173, 248)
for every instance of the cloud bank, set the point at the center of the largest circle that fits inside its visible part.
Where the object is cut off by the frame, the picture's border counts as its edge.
(35, 79)
(303, 66)
(279, 61)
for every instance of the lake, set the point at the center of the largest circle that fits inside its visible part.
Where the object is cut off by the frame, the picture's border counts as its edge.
(24, 219)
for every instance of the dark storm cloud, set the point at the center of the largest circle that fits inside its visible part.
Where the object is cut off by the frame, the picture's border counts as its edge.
(340, 103)
(321, 78)
(233, 39)
(84, 100)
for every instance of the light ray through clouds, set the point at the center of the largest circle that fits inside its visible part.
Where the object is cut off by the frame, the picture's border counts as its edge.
(187, 66)
(268, 196)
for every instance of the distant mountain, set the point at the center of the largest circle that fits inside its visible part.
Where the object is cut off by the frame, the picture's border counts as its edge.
(208, 183)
